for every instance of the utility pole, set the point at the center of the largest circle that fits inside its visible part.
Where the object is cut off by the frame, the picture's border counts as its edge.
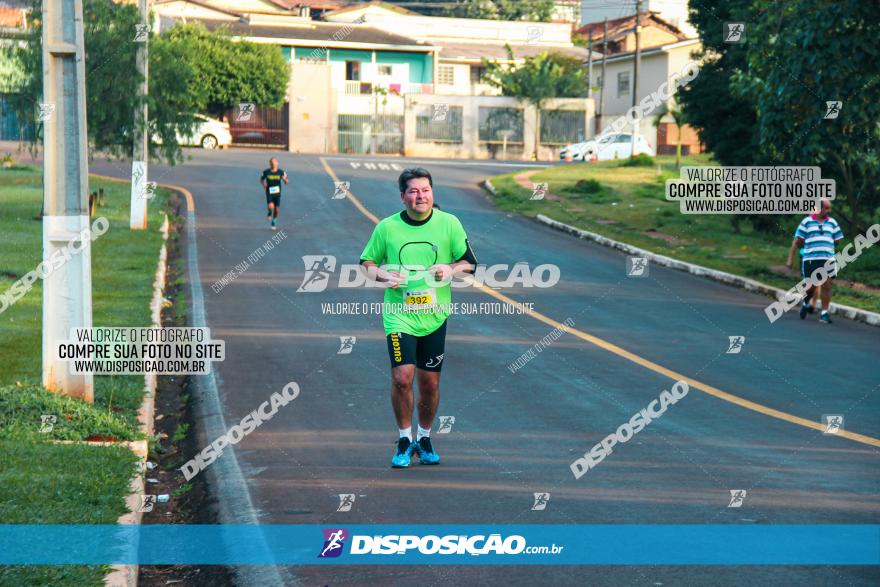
(67, 291)
(140, 152)
(590, 67)
(635, 88)
(604, 81)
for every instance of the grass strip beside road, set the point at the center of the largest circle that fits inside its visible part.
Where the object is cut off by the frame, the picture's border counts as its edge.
(41, 482)
(61, 484)
(629, 205)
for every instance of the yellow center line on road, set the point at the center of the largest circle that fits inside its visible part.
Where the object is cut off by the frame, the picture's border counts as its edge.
(629, 356)
(351, 197)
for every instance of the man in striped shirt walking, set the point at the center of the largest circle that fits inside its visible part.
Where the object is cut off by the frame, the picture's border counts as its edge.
(817, 234)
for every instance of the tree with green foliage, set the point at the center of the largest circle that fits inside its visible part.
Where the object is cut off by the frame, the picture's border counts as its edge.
(763, 101)
(113, 81)
(801, 56)
(537, 79)
(531, 10)
(726, 122)
(191, 71)
(672, 110)
(228, 72)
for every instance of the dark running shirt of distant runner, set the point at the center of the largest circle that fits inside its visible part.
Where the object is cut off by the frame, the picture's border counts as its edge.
(271, 182)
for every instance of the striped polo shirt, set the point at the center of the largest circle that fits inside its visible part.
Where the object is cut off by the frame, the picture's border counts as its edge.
(819, 237)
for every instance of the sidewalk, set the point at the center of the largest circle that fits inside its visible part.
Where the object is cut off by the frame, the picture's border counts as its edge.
(21, 152)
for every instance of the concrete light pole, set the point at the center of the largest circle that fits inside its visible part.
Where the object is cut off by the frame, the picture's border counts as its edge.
(635, 88)
(67, 290)
(140, 153)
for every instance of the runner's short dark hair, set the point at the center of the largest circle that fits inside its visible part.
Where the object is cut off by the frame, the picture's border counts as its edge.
(413, 173)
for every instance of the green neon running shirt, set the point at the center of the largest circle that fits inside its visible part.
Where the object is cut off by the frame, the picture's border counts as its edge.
(400, 241)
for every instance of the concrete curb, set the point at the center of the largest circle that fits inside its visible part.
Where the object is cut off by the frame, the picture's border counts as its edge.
(127, 575)
(871, 318)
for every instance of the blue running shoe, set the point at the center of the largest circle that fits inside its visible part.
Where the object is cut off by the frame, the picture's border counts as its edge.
(427, 456)
(404, 452)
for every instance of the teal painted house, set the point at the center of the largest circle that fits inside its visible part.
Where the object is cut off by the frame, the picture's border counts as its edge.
(361, 58)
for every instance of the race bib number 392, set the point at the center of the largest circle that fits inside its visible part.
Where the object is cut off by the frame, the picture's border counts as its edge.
(419, 299)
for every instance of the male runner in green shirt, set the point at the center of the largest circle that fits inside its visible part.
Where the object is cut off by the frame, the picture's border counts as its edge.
(418, 250)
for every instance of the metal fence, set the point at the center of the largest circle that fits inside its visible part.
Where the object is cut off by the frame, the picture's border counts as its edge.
(563, 127)
(357, 132)
(439, 123)
(12, 126)
(497, 123)
(259, 125)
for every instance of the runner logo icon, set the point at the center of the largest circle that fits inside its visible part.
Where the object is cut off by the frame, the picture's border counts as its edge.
(334, 541)
(832, 109)
(435, 362)
(147, 503)
(340, 189)
(346, 345)
(541, 500)
(318, 270)
(733, 32)
(736, 344)
(636, 266)
(833, 423)
(446, 423)
(346, 500)
(737, 497)
(47, 423)
(539, 190)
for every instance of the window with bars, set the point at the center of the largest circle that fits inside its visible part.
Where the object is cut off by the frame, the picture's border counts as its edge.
(623, 84)
(497, 123)
(439, 123)
(446, 75)
(562, 127)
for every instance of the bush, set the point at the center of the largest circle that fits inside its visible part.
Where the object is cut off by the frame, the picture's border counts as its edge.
(640, 160)
(587, 186)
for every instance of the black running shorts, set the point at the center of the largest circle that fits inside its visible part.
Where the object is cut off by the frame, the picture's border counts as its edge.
(273, 199)
(425, 352)
(810, 265)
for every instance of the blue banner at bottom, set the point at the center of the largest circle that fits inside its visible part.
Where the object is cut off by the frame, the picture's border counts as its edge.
(441, 544)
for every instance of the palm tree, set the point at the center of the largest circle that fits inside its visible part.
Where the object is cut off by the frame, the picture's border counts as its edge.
(673, 109)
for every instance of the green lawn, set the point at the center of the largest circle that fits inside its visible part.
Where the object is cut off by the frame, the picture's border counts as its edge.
(629, 205)
(61, 484)
(66, 484)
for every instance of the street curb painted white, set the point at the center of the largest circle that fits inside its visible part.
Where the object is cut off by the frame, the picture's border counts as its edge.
(235, 506)
(224, 475)
(745, 283)
(127, 575)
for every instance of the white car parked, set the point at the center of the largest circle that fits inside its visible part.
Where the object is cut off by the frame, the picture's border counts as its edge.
(208, 133)
(607, 148)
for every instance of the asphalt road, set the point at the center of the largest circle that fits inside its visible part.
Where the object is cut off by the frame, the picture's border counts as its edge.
(517, 433)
